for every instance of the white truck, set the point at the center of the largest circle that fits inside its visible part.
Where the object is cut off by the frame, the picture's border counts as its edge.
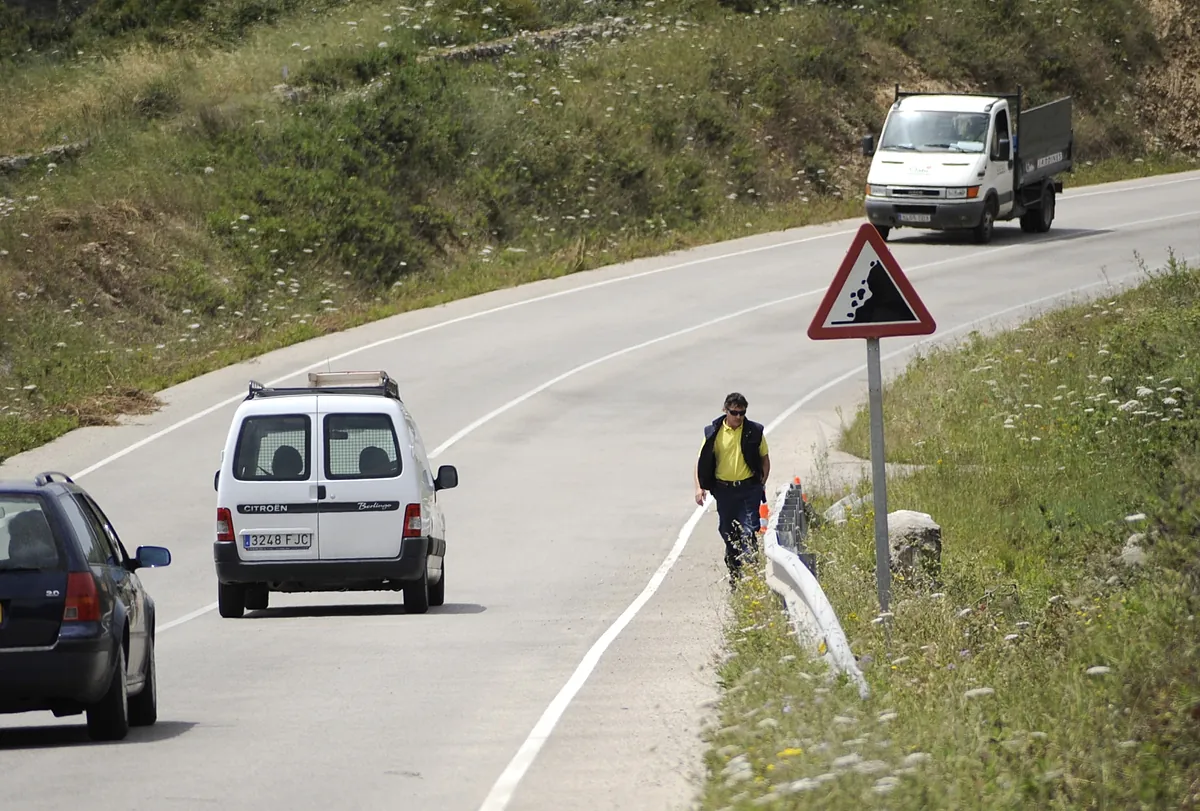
(962, 161)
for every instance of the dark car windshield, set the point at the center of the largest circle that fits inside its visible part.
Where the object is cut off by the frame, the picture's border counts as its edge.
(27, 542)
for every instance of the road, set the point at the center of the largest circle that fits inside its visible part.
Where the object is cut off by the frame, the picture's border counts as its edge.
(573, 409)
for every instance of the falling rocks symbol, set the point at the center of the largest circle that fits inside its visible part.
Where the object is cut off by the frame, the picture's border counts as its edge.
(877, 300)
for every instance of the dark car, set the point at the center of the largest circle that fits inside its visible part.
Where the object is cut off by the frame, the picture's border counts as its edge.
(76, 626)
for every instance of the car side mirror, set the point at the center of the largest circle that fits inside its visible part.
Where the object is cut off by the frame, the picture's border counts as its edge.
(447, 478)
(216, 479)
(151, 557)
(868, 145)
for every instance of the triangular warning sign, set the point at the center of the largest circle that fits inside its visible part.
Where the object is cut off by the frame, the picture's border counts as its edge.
(870, 297)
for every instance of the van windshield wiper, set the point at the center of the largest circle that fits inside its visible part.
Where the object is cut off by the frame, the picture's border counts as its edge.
(909, 147)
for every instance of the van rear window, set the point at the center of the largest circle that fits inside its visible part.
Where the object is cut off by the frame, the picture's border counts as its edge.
(273, 448)
(27, 543)
(361, 446)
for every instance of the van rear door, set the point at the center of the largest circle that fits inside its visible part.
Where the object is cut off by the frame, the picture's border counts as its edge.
(363, 472)
(33, 574)
(272, 495)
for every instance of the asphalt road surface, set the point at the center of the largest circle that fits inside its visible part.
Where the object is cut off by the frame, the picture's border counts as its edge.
(573, 410)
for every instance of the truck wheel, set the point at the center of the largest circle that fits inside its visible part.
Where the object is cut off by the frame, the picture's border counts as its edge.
(1046, 211)
(231, 600)
(883, 230)
(982, 233)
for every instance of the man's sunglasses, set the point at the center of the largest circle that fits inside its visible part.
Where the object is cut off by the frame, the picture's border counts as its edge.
(740, 413)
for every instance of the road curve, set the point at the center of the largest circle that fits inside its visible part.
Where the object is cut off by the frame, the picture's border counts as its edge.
(573, 409)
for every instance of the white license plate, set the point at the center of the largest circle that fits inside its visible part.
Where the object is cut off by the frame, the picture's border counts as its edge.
(915, 217)
(277, 540)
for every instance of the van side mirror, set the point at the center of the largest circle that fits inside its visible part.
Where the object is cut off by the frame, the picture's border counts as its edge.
(447, 478)
(868, 145)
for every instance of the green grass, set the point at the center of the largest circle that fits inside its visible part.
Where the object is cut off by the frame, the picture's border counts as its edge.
(1041, 448)
(208, 218)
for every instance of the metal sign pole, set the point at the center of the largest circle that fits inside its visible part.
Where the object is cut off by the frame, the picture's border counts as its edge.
(883, 571)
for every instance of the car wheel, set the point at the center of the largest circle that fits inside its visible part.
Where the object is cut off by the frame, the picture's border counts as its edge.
(231, 600)
(437, 591)
(143, 708)
(108, 718)
(416, 594)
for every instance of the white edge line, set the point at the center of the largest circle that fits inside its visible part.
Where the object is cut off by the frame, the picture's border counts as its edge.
(592, 286)
(199, 612)
(505, 785)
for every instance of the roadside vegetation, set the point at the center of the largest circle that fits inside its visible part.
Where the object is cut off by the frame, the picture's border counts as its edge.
(228, 178)
(1053, 665)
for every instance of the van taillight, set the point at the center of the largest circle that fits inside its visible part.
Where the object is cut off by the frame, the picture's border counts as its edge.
(224, 524)
(412, 521)
(83, 600)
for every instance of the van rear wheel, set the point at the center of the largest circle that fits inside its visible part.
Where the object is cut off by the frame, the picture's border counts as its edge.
(258, 597)
(437, 591)
(231, 600)
(416, 594)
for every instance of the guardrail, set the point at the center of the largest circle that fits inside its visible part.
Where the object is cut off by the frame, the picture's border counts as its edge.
(791, 573)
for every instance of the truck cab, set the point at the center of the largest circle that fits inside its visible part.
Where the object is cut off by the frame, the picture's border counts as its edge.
(951, 162)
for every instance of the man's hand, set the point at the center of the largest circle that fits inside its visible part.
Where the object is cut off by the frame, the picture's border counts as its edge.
(700, 494)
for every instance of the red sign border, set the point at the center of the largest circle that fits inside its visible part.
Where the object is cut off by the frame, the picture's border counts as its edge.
(924, 325)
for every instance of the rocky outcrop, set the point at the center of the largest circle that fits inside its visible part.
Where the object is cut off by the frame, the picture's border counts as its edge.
(549, 39)
(12, 164)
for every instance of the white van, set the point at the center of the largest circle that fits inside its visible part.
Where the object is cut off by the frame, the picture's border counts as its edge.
(328, 488)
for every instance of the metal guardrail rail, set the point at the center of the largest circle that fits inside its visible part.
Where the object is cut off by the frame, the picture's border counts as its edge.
(791, 573)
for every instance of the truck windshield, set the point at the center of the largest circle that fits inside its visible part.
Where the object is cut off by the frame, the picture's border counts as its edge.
(935, 131)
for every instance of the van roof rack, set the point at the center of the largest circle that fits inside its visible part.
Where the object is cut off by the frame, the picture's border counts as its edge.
(374, 382)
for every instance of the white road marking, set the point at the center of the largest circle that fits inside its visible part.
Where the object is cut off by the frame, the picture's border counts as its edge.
(491, 415)
(594, 285)
(1069, 194)
(502, 790)
(199, 612)
(439, 325)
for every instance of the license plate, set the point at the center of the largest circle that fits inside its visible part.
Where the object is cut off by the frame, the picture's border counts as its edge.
(915, 217)
(277, 540)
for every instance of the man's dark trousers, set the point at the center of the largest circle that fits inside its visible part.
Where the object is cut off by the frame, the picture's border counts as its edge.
(738, 504)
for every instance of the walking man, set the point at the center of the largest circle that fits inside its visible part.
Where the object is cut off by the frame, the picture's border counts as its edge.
(733, 466)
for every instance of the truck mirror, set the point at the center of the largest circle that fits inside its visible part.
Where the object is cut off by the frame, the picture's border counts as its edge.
(1003, 153)
(868, 145)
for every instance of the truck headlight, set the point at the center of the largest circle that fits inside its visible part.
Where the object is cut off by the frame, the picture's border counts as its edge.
(876, 191)
(970, 193)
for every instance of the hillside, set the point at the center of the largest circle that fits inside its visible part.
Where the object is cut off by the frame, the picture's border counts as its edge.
(188, 183)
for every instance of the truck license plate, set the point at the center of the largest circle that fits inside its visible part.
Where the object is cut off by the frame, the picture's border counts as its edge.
(915, 217)
(277, 540)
